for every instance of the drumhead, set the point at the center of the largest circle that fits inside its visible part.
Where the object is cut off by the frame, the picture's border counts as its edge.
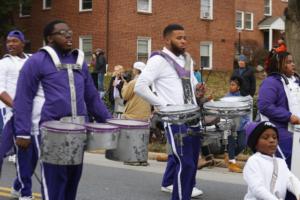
(237, 99)
(226, 106)
(128, 123)
(59, 126)
(172, 109)
(100, 127)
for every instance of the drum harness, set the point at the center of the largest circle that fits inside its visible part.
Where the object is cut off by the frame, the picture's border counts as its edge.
(184, 75)
(69, 67)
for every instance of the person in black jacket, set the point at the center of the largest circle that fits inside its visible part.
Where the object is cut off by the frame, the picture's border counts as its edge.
(100, 68)
(246, 73)
(114, 91)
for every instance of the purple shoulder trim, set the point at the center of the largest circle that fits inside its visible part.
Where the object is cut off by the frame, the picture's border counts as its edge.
(179, 69)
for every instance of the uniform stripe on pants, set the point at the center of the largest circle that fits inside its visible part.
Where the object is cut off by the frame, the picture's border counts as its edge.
(26, 160)
(180, 165)
(185, 157)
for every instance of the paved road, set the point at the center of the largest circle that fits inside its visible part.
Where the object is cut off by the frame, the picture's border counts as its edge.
(109, 180)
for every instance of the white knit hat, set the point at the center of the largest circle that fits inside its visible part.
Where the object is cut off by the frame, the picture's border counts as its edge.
(139, 65)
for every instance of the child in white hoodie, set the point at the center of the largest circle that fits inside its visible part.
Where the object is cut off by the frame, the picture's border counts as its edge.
(267, 176)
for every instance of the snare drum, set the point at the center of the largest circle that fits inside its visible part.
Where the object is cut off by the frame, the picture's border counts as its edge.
(133, 141)
(179, 114)
(101, 136)
(62, 143)
(226, 109)
(246, 99)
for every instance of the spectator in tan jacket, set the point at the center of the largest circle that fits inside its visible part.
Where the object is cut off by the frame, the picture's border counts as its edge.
(135, 107)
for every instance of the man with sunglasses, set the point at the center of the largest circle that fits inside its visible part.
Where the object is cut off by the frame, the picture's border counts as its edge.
(59, 182)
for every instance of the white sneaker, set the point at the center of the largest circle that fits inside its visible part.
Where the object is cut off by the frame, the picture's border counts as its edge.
(26, 198)
(12, 158)
(196, 192)
(14, 193)
(168, 189)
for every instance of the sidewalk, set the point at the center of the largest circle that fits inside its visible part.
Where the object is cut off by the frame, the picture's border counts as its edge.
(213, 174)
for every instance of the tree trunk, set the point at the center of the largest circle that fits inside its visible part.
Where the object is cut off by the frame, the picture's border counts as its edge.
(292, 25)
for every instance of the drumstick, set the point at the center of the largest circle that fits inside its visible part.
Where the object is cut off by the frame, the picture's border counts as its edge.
(201, 72)
(208, 76)
(37, 177)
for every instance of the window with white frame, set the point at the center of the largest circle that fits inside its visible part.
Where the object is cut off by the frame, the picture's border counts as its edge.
(85, 5)
(206, 55)
(86, 45)
(25, 8)
(268, 7)
(206, 9)
(248, 21)
(143, 48)
(144, 6)
(239, 20)
(47, 4)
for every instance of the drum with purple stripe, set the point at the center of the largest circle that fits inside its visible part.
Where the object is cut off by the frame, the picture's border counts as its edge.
(101, 136)
(62, 143)
(133, 141)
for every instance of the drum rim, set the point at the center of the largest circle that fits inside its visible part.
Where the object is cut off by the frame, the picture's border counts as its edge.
(239, 104)
(241, 98)
(79, 130)
(194, 108)
(109, 127)
(111, 121)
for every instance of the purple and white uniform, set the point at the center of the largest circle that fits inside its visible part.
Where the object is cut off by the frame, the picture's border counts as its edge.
(59, 181)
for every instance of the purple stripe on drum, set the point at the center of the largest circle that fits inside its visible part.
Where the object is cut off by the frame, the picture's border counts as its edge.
(101, 127)
(63, 127)
(128, 123)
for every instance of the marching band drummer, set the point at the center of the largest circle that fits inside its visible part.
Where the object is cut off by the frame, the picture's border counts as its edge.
(59, 182)
(171, 72)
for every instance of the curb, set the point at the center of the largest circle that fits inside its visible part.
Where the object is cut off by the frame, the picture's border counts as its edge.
(163, 157)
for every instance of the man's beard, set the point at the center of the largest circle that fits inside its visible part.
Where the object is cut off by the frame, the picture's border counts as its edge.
(177, 51)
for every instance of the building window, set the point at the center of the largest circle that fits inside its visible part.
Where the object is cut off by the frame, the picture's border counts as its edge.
(268, 7)
(249, 21)
(143, 48)
(239, 20)
(85, 5)
(86, 45)
(206, 9)
(144, 6)
(25, 8)
(206, 55)
(47, 4)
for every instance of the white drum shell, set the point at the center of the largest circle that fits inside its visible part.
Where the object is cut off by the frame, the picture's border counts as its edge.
(227, 109)
(62, 148)
(132, 143)
(102, 139)
(179, 114)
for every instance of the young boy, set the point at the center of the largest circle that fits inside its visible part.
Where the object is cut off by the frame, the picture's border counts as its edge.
(281, 46)
(236, 145)
(267, 176)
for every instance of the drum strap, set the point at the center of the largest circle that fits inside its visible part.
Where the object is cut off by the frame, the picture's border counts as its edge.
(183, 73)
(274, 175)
(69, 68)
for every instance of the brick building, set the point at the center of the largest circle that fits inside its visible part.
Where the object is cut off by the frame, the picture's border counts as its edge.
(259, 22)
(129, 30)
